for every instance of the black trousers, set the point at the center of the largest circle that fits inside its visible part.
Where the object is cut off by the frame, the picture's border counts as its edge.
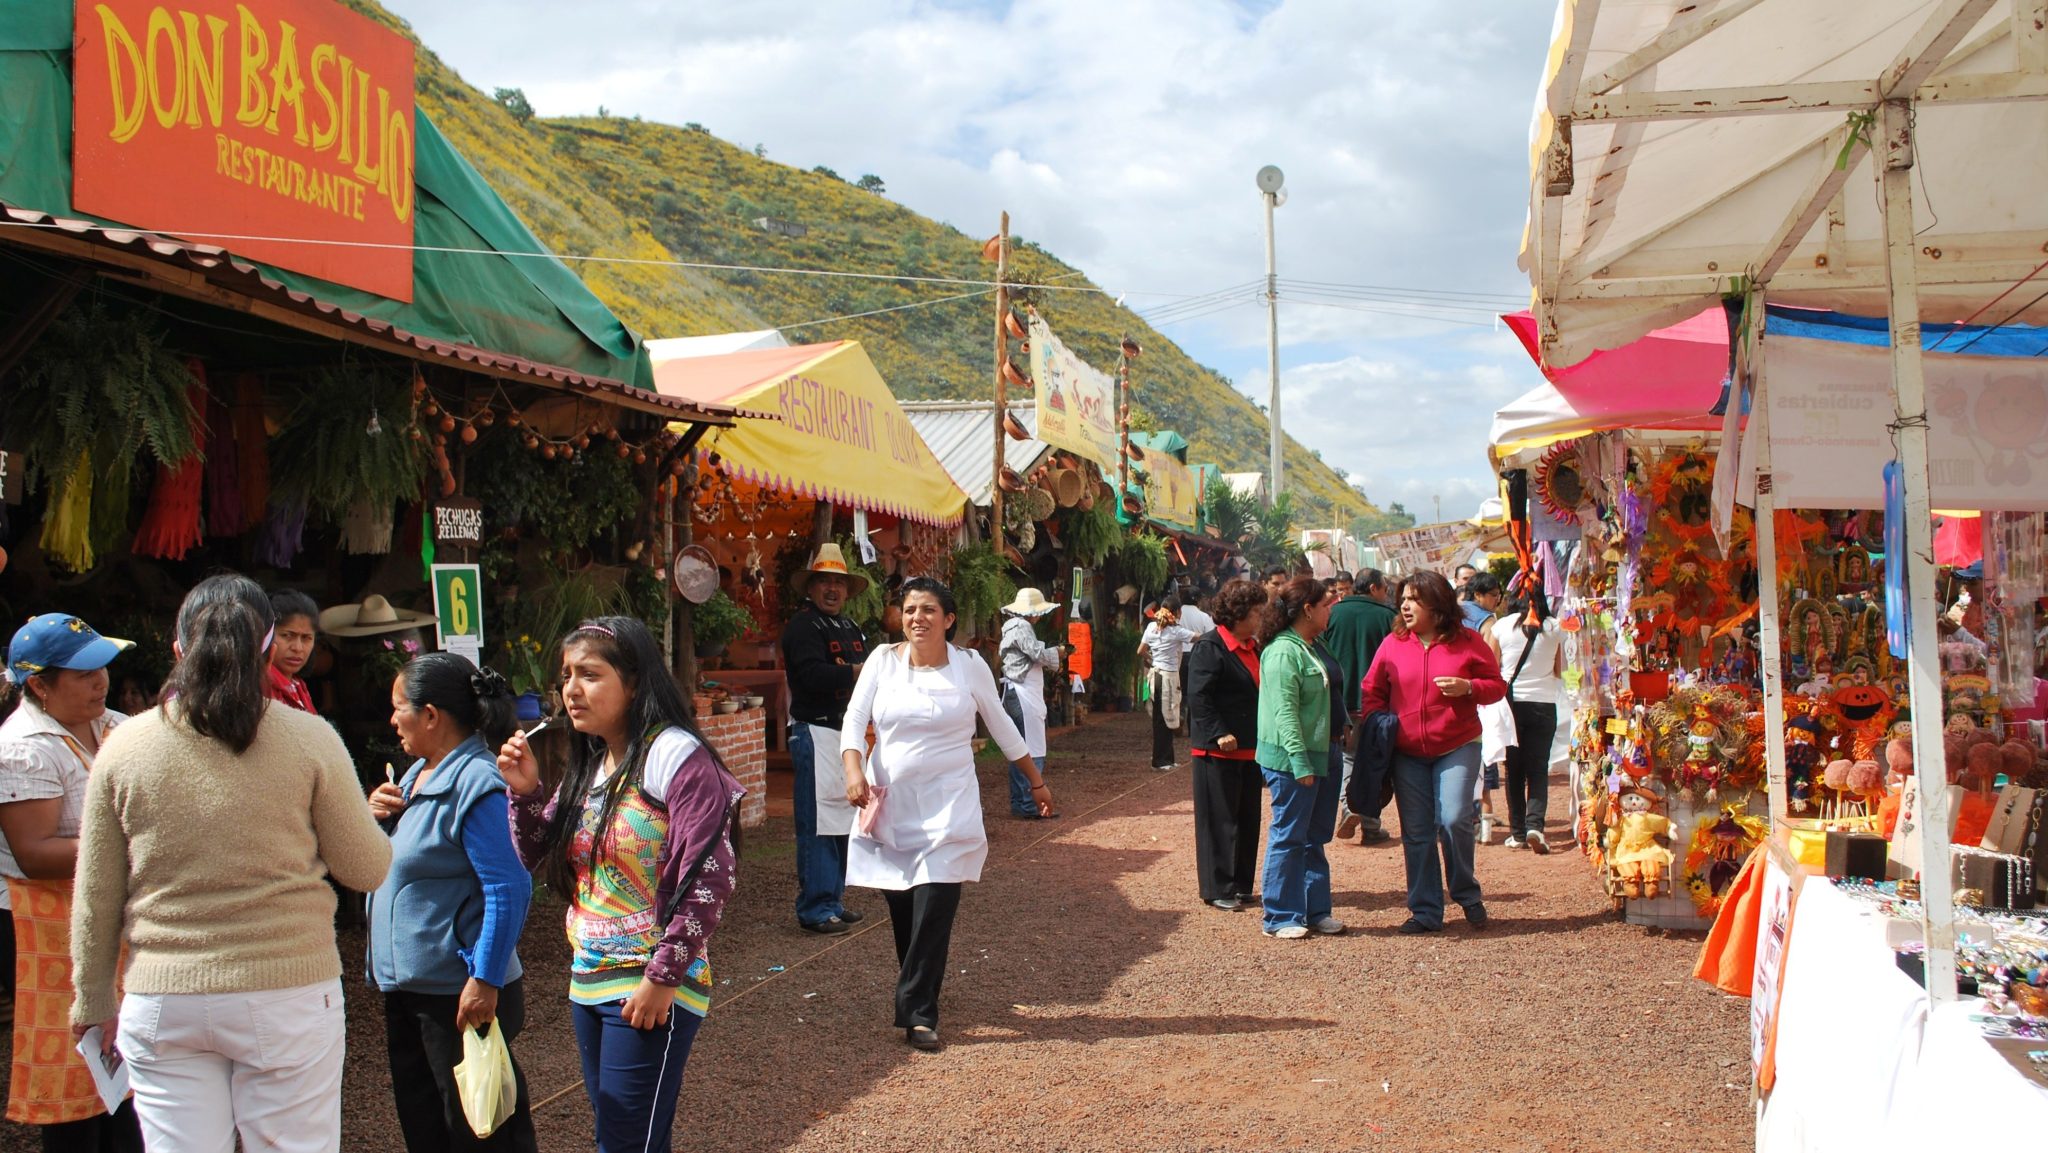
(1529, 765)
(118, 1132)
(1162, 737)
(425, 1047)
(922, 917)
(1228, 798)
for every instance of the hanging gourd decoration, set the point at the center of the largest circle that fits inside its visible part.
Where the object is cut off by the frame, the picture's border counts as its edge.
(469, 434)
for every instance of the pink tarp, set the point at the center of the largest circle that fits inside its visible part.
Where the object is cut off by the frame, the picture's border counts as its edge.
(1667, 380)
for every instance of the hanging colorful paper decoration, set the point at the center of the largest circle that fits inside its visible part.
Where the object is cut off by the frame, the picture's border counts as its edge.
(67, 529)
(170, 525)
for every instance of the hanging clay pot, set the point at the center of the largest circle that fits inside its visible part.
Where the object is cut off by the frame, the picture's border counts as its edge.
(1015, 377)
(1013, 326)
(1133, 504)
(1010, 481)
(992, 248)
(1134, 450)
(1014, 427)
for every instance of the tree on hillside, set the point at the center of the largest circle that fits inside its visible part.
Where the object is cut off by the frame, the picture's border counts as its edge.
(515, 102)
(824, 171)
(761, 151)
(870, 183)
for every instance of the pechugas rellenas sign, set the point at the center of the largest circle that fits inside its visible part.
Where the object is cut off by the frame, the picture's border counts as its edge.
(281, 130)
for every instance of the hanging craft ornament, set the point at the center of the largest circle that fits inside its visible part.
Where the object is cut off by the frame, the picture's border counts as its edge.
(696, 574)
(1560, 483)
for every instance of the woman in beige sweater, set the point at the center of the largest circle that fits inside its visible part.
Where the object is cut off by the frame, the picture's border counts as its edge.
(210, 824)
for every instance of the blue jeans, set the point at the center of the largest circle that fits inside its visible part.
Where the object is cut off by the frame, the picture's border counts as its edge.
(632, 1076)
(820, 860)
(1434, 798)
(1297, 884)
(1021, 804)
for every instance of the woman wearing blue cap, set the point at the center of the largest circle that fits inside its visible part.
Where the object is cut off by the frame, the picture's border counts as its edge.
(47, 746)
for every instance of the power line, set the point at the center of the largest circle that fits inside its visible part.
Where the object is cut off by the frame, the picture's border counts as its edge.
(1390, 312)
(1385, 288)
(893, 308)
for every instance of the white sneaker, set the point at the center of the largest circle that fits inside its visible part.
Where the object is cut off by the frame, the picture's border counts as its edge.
(1538, 845)
(1513, 842)
(1288, 932)
(1329, 927)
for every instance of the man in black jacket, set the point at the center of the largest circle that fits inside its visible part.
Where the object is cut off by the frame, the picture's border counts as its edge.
(822, 653)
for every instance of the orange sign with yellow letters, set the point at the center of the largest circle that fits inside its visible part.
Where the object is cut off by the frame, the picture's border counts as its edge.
(281, 130)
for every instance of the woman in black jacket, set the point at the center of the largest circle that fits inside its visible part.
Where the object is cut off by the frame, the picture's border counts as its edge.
(1223, 727)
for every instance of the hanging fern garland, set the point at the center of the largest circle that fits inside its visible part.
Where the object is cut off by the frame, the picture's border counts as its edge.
(353, 438)
(1090, 534)
(103, 381)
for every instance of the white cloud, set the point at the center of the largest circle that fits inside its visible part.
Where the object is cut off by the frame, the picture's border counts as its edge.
(1124, 137)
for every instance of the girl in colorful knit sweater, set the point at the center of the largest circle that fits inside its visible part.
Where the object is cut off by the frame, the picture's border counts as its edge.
(639, 837)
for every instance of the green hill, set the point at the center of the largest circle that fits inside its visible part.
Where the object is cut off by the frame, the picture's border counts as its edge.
(616, 187)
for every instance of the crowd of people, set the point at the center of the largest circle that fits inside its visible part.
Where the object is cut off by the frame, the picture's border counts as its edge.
(211, 964)
(1339, 697)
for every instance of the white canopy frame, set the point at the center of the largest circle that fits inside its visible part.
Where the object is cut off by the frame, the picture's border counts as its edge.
(1684, 152)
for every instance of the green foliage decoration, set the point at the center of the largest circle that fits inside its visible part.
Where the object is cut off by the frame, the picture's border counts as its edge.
(101, 385)
(981, 583)
(1090, 535)
(1116, 658)
(567, 502)
(718, 622)
(352, 436)
(1143, 561)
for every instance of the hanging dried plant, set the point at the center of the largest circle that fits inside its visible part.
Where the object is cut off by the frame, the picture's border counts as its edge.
(101, 380)
(352, 437)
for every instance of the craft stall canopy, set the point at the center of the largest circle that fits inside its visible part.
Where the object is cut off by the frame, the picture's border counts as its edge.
(483, 294)
(1682, 151)
(1671, 379)
(841, 436)
(1172, 498)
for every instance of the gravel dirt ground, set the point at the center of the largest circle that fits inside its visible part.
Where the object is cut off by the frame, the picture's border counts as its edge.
(1095, 1004)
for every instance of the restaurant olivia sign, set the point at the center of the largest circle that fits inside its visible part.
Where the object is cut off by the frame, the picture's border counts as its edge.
(281, 130)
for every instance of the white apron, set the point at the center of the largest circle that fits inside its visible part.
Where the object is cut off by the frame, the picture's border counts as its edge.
(828, 777)
(1031, 698)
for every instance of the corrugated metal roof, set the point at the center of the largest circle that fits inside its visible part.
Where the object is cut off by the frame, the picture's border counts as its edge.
(958, 433)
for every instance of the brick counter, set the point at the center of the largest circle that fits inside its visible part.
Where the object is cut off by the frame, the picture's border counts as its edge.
(741, 738)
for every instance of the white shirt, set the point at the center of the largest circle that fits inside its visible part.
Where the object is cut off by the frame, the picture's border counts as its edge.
(1539, 680)
(1196, 622)
(39, 760)
(665, 757)
(931, 809)
(1168, 645)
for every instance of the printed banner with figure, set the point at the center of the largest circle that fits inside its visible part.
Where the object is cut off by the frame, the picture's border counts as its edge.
(1076, 403)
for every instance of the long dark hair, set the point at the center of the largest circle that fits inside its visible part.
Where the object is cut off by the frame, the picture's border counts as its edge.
(1435, 594)
(477, 699)
(657, 704)
(1295, 598)
(938, 592)
(217, 684)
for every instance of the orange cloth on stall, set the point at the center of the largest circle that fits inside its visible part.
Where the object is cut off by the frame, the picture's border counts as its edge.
(1728, 958)
(1973, 816)
(1081, 662)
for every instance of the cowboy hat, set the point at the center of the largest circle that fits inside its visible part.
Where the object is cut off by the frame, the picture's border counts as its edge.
(831, 561)
(1030, 603)
(373, 616)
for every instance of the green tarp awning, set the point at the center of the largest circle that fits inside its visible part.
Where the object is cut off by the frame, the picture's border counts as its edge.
(526, 306)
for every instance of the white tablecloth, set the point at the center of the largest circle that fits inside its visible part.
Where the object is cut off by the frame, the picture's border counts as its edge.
(1862, 1067)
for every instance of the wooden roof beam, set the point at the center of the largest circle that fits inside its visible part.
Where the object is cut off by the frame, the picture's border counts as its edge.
(1666, 44)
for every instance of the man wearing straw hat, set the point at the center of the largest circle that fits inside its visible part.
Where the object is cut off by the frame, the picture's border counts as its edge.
(822, 653)
(1025, 660)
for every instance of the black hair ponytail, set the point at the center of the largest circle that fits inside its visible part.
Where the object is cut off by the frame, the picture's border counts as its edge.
(218, 680)
(477, 699)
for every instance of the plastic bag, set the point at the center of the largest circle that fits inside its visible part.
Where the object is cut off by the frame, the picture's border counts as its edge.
(485, 1080)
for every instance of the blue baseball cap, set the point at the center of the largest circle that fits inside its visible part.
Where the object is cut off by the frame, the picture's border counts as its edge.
(59, 641)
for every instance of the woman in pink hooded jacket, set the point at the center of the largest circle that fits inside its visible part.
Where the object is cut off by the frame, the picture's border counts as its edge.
(1433, 673)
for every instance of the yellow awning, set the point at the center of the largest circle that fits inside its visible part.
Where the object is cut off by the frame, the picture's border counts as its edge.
(841, 437)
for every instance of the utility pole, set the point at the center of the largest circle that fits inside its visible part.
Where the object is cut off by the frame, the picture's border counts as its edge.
(995, 506)
(1273, 186)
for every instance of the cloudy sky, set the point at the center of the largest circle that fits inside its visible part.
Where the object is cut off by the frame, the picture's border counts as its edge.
(1123, 135)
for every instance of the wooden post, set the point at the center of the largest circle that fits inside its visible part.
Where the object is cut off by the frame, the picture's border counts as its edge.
(683, 612)
(1123, 426)
(995, 498)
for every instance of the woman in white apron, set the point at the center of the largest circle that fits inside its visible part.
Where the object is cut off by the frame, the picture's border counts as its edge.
(1025, 660)
(919, 835)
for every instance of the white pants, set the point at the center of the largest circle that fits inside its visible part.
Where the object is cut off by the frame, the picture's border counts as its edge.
(268, 1063)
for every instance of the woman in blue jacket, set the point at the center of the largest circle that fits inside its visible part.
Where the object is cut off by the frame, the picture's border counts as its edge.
(444, 925)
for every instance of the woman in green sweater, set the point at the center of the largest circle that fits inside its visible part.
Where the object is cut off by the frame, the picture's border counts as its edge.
(1294, 752)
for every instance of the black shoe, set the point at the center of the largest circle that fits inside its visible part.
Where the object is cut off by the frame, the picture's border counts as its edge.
(828, 926)
(1247, 898)
(852, 918)
(1475, 916)
(922, 1037)
(1227, 904)
(1030, 816)
(1412, 927)
(1373, 837)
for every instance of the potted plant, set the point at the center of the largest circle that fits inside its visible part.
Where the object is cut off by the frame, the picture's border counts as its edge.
(526, 668)
(717, 623)
(1116, 660)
